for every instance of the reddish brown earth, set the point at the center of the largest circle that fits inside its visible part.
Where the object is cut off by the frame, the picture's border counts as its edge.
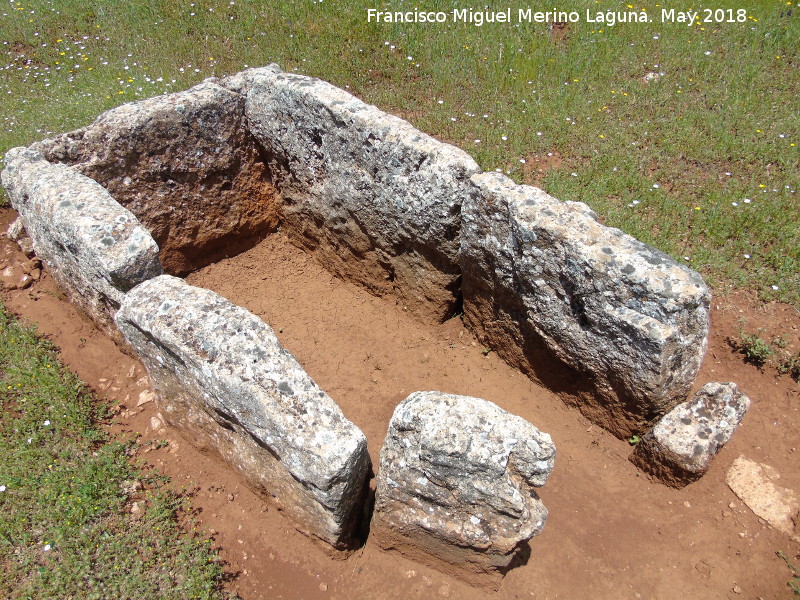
(612, 533)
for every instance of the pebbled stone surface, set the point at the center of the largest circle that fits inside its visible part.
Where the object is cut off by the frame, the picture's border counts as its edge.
(186, 166)
(615, 324)
(376, 200)
(221, 375)
(94, 248)
(680, 447)
(456, 484)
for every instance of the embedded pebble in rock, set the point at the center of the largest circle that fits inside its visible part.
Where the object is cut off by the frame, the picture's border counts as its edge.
(374, 199)
(680, 447)
(94, 248)
(586, 309)
(220, 374)
(455, 485)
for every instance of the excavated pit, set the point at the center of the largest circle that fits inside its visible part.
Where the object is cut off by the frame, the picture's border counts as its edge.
(366, 352)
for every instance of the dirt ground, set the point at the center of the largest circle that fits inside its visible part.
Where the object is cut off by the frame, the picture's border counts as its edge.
(612, 532)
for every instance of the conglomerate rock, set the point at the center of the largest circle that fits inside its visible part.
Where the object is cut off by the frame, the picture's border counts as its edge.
(94, 248)
(587, 309)
(185, 165)
(680, 447)
(456, 484)
(221, 375)
(375, 199)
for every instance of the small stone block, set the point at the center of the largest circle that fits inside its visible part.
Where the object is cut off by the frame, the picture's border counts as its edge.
(456, 484)
(680, 447)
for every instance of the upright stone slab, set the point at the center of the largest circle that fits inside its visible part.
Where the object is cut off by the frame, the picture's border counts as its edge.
(375, 199)
(679, 449)
(186, 166)
(222, 376)
(94, 248)
(617, 325)
(456, 484)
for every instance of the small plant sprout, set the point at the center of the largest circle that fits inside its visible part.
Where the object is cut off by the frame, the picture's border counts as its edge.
(756, 350)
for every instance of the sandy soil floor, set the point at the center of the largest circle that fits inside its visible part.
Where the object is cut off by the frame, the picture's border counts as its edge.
(612, 532)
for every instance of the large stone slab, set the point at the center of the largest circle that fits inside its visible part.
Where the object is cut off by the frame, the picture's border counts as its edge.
(616, 325)
(456, 484)
(94, 248)
(679, 449)
(376, 200)
(186, 166)
(222, 376)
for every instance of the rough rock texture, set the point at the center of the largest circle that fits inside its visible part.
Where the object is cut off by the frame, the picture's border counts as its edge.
(94, 248)
(222, 376)
(680, 447)
(186, 165)
(376, 200)
(616, 325)
(455, 484)
(754, 484)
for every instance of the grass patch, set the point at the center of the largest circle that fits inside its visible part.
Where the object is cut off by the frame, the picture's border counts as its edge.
(761, 351)
(686, 137)
(794, 580)
(67, 528)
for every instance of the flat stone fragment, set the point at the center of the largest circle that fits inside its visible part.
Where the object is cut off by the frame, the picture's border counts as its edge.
(186, 165)
(588, 310)
(754, 484)
(375, 199)
(221, 375)
(95, 249)
(680, 447)
(455, 485)
(16, 231)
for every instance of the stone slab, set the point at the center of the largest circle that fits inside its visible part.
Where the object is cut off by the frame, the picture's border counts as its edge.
(679, 449)
(456, 484)
(186, 166)
(617, 326)
(756, 485)
(221, 375)
(376, 200)
(95, 249)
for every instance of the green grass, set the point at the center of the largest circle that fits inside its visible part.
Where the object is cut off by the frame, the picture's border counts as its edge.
(794, 581)
(66, 528)
(702, 162)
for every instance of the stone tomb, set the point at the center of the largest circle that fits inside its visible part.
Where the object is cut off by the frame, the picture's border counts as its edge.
(173, 183)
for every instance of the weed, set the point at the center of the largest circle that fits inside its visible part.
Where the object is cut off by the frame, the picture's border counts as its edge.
(756, 350)
(791, 366)
(794, 581)
(779, 341)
